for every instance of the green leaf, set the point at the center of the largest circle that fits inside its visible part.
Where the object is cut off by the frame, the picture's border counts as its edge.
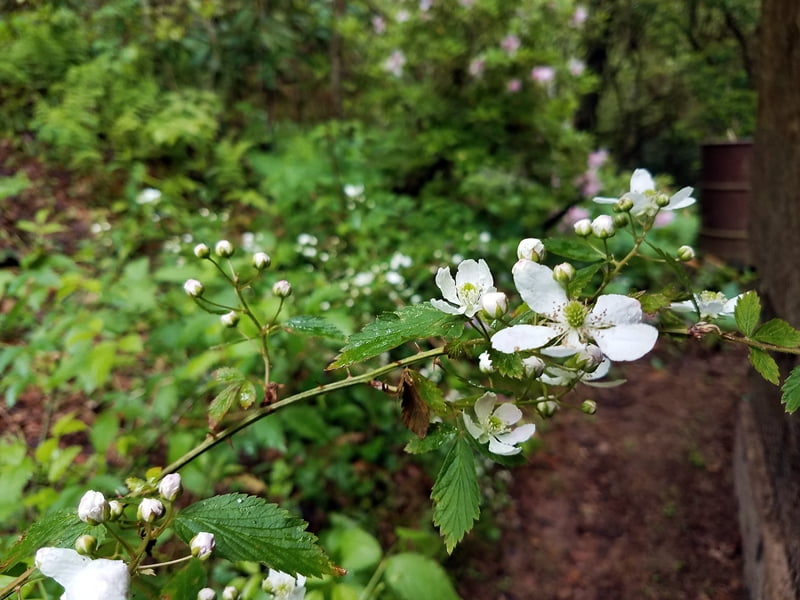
(183, 585)
(765, 365)
(582, 278)
(238, 391)
(59, 530)
(455, 495)
(311, 325)
(248, 528)
(507, 365)
(571, 249)
(439, 434)
(790, 395)
(223, 403)
(354, 548)
(411, 576)
(11, 186)
(748, 312)
(778, 333)
(228, 375)
(390, 330)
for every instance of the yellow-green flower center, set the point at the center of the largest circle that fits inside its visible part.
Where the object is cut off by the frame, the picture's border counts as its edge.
(495, 425)
(469, 294)
(575, 314)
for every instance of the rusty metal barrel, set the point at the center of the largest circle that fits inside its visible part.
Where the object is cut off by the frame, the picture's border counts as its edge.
(725, 176)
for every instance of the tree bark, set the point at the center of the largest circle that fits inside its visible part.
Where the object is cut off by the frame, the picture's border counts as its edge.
(771, 511)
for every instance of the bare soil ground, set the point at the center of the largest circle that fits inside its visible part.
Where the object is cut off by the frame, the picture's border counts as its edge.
(636, 502)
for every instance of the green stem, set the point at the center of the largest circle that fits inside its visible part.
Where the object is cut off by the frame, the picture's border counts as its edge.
(14, 584)
(263, 411)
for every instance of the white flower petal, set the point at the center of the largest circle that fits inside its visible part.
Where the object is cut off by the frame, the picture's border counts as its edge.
(605, 200)
(508, 413)
(498, 447)
(447, 284)
(473, 429)
(641, 181)
(560, 351)
(600, 372)
(101, 579)
(518, 338)
(615, 309)
(484, 406)
(681, 199)
(62, 564)
(540, 291)
(447, 307)
(476, 273)
(626, 342)
(521, 434)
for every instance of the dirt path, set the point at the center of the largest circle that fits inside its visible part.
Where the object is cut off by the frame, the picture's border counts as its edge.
(634, 503)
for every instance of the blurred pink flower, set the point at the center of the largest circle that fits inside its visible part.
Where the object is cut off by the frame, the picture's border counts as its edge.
(378, 24)
(589, 184)
(466, 3)
(579, 16)
(476, 67)
(514, 85)
(510, 44)
(576, 66)
(425, 5)
(597, 159)
(395, 63)
(543, 74)
(402, 16)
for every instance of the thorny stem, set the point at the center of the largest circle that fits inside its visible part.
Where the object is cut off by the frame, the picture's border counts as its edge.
(263, 411)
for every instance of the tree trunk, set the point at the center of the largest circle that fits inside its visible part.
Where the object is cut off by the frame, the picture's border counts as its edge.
(768, 444)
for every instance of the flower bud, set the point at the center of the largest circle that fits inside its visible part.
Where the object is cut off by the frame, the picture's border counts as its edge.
(583, 228)
(588, 358)
(494, 304)
(149, 510)
(282, 289)
(621, 220)
(223, 249)
(662, 200)
(564, 273)
(589, 407)
(603, 227)
(206, 594)
(546, 408)
(193, 288)
(531, 249)
(202, 545)
(485, 362)
(624, 205)
(230, 593)
(685, 253)
(534, 366)
(229, 319)
(202, 251)
(86, 544)
(170, 486)
(93, 508)
(115, 508)
(261, 260)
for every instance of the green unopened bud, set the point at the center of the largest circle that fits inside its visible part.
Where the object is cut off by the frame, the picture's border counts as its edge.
(685, 253)
(193, 288)
(531, 249)
(202, 545)
(583, 228)
(603, 227)
(546, 408)
(564, 273)
(202, 251)
(282, 289)
(230, 593)
(261, 260)
(662, 200)
(534, 366)
(170, 486)
(588, 358)
(115, 508)
(223, 249)
(150, 509)
(229, 319)
(206, 593)
(86, 545)
(624, 205)
(620, 220)
(589, 407)
(494, 304)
